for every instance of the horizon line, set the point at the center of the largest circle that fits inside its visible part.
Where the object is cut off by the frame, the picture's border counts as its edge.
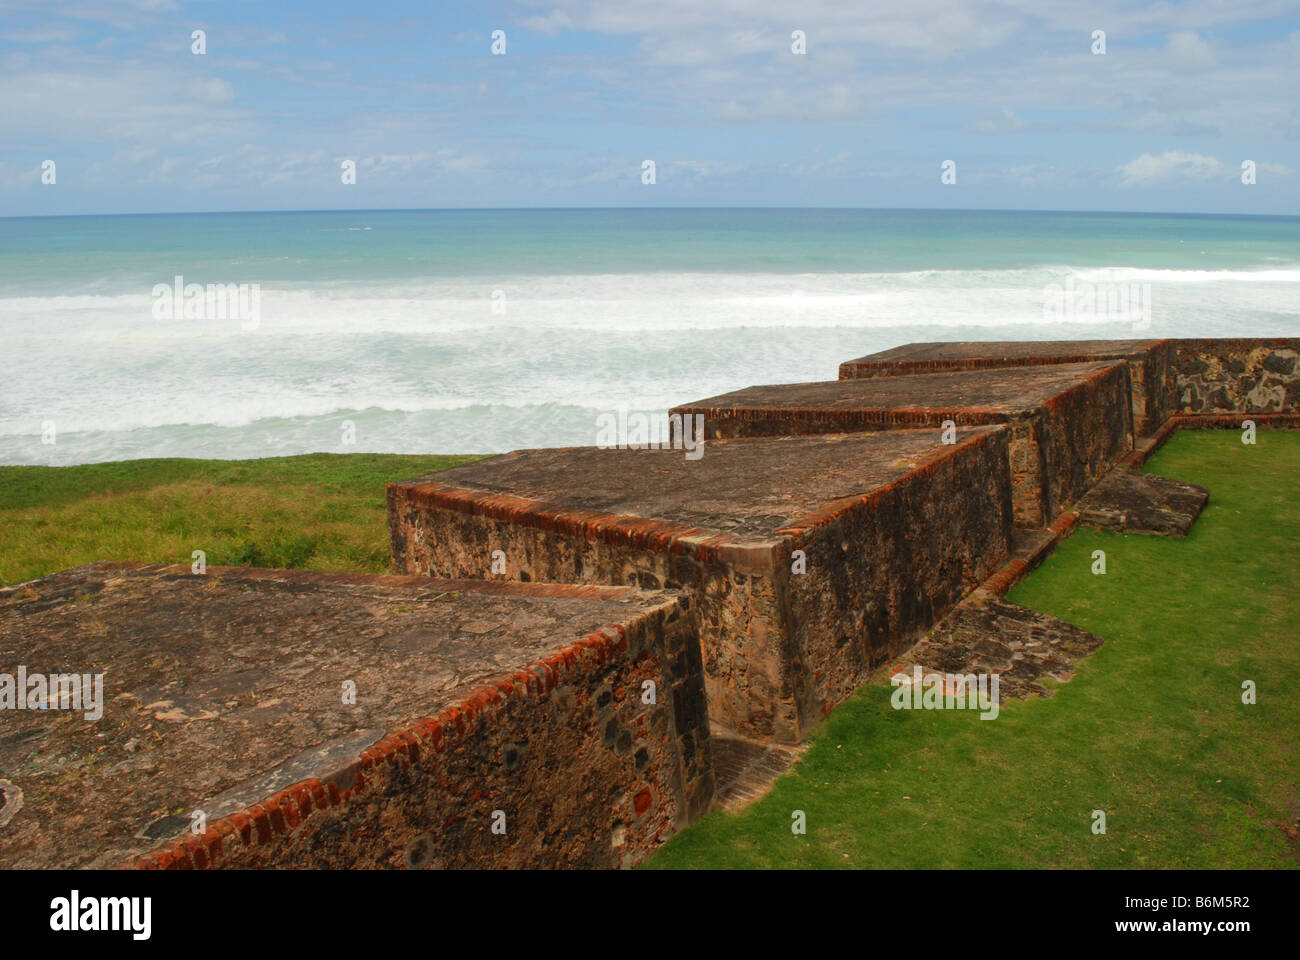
(541, 209)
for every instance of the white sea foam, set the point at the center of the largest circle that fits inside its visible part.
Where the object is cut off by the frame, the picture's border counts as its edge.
(1138, 275)
(428, 366)
(645, 302)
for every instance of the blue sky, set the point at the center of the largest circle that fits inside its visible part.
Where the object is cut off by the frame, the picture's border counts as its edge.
(1011, 92)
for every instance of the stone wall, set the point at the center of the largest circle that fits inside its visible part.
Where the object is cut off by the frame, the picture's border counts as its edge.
(1068, 423)
(924, 542)
(586, 772)
(1152, 403)
(779, 648)
(1147, 360)
(1234, 375)
(746, 662)
(1085, 431)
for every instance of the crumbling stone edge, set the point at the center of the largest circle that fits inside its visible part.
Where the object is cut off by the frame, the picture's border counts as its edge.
(420, 744)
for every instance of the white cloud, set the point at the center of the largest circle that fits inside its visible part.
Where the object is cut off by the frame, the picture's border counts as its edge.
(1187, 51)
(79, 98)
(549, 23)
(45, 35)
(14, 176)
(211, 90)
(1169, 168)
(1006, 122)
(704, 168)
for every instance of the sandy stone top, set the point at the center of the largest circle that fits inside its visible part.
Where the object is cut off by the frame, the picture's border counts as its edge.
(750, 488)
(221, 689)
(1012, 350)
(996, 392)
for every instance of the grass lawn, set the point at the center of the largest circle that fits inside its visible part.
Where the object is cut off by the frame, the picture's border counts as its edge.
(1152, 729)
(316, 512)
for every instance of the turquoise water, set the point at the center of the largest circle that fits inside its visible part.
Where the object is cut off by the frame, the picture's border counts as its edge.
(62, 255)
(477, 331)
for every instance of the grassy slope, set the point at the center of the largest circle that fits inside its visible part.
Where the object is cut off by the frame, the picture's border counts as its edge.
(317, 512)
(1151, 730)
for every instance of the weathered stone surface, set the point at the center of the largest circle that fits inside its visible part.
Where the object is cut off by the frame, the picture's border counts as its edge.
(1148, 362)
(224, 693)
(747, 770)
(895, 528)
(1069, 423)
(11, 801)
(1191, 375)
(1227, 375)
(576, 716)
(1128, 501)
(989, 635)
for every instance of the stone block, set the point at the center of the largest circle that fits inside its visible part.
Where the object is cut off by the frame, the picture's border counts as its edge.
(476, 704)
(1148, 362)
(1068, 423)
(809, 561)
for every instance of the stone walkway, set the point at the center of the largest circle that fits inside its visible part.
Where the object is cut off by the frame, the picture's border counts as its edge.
(1128, 501)
(989, 635)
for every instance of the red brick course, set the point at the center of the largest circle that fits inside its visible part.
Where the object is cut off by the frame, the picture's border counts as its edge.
(293, 816)
(779, 648)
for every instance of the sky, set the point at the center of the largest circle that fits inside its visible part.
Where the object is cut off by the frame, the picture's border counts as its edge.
(1015, 94)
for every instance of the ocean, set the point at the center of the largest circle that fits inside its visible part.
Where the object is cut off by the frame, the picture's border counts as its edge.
(475, 331)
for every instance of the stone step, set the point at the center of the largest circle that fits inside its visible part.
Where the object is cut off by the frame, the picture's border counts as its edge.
(1128, 501)
(1148, 362)
(1068, 423)
(334, 720)
(810, 561)
(988, 635)
(747, 770)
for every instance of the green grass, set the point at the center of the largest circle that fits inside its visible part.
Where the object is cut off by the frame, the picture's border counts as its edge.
(1151, 730)
(316, 512)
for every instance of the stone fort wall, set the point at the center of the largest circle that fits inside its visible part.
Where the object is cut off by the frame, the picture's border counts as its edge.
(776, 651)
(779, 649)
(572, 756)
(1240, 375)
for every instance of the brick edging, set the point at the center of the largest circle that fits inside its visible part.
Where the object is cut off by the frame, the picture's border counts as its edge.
(1233, 419)
(1144, 448)
(577, 591)
(1015, 569)
(951, 364)
(277, 815)
(706, 545)
(917, 417)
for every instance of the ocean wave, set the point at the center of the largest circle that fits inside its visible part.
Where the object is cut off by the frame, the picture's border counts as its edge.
(1141, 275)
(429, 366)
(649, 302)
